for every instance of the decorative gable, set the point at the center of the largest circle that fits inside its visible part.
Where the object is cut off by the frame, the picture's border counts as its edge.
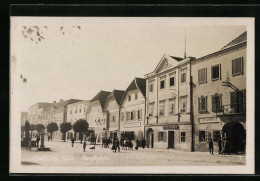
(166, 63)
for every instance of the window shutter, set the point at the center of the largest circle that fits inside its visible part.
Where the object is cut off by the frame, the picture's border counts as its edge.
(213, 103)
(199, 103)
(242, 65)
(233, 67)
(133, 115)
(206, 103)
(219, 71)
(140, 113)
(211, 73)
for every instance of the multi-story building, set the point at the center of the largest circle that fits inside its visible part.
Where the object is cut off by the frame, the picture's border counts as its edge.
(24, 117)
(133, 110)
(168, 123)
(35, 112)
(219, 95)
(112, 107)
(56, 112)
(75, 112)
(97, 115)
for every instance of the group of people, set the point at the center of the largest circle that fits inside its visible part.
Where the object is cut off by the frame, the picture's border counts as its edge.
(30, 144)
(223, 146)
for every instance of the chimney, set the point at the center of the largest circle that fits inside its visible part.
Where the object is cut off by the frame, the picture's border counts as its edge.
(61, 100)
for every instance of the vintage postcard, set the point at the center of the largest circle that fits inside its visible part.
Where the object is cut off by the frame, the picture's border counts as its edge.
(150, 95)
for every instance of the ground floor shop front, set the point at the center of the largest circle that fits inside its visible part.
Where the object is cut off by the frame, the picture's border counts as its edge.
(169, 136)
(229, 127)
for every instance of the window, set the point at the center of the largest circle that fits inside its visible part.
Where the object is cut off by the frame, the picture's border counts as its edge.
(161, 108)
(172, 79)
(183, 101)
(151, 86)
(76, 111)
(237, 66)
(150, 109)
(136, 96)
(183, 136)
(162, 82)
(183, 75)
(129, 98)
(238, 101)
(122, 116)
(204, 136)
(139, 114)
(216, 136)
(202, 104)
(202, 75)
(216, 102)
(133, 115)
(114, 118)
(162, 137)
(171, 106)
(215, 72)
(128, 116)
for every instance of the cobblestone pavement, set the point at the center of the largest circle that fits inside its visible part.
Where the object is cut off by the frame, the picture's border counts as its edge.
(63, 154)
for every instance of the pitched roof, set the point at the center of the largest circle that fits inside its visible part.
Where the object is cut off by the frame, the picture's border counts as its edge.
(177, 58)
(62, 104)
(239, 39)
(137, 83)
(118, 95)
(101, 97)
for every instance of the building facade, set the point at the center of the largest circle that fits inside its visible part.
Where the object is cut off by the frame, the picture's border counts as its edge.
(112, 107)
(168, 123)
(97, 115)
(35, 112)
(133, 110)
(219, 96)
(76, 111)
(24, 117)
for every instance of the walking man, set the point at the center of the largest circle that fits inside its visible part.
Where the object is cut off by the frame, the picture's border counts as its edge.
(211, 146)
(117, 145)
(84, 145)
(72, 142)
(219, 145)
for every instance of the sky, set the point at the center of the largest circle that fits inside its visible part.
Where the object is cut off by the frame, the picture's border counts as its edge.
(75, 58)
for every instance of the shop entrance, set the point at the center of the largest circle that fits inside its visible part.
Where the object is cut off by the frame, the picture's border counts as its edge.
(235, 134)
(170, 139)
(150, 138)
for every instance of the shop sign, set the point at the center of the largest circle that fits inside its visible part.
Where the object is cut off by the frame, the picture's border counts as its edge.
(128, 125)
(173, 126)
(208, 120)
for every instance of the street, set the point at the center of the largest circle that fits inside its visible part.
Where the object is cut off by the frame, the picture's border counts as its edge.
(63, 154)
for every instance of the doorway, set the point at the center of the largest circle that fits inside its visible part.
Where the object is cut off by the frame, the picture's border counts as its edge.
(150, 138)
(170, 139)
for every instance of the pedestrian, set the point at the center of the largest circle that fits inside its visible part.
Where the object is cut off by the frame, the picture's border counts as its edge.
(219, 145)
(84, 145)
(37, 141)
(211, 146)
(143, 143)
(49, 138)
(29, 145)
(117, 146)
(136, 144)
(72, 142)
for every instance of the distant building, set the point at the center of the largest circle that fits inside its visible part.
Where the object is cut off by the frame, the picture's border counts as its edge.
(24, 117)
(219, 95)
(35, 112)
(168, 123)
(76, 111)
(133, 110)
(112, 107)
(97, 115)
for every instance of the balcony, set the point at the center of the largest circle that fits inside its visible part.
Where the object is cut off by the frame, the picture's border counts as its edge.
(231, 109)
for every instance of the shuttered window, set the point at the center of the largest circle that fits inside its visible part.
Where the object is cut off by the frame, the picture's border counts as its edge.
(216, 72)
(150, 108)
(202, 104)
(238, 101)
(216, 102)
(237, 66)
(202, 75)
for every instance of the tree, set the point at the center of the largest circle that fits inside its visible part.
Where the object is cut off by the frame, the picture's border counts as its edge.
(32, 128)
(64, 128)
(39, 127)
(52, 127)
(80, 126)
